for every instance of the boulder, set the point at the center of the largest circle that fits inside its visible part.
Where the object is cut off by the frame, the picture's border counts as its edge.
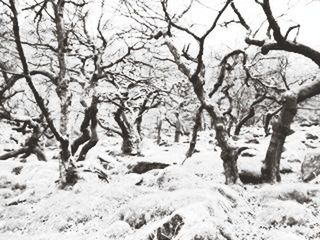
(310, 167)
(292, 157)
(311, 136)
(253, 177)
(249, 153)
(253, 140)
(299, 193)
(169, 229)
(143, 167)
(250, 170)
(285, 167)
(118, 230)
(288, 213)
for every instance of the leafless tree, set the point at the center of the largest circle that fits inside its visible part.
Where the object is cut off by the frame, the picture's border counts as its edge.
(290, 98)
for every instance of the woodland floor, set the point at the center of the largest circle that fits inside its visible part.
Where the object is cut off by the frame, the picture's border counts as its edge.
(182, 202)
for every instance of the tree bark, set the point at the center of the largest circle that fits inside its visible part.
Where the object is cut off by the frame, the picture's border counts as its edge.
(178, 129)
(197, 126)
(14, 153)
(130, 137)
(68, 174)
(267, 120)
(85, 132)
(31, 146)
(62, 81)
(229, 152)
(250, 114)
(159, 128)
(281, 128)
(93, 139)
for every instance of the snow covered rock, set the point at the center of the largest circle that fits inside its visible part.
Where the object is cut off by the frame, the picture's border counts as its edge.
(282, 235)
(250, 177)
(117, 230)
(285, 167)
(169, 230)
(295, 192)
(249, 170)
(310, 167)
(184, 215)
(173, 178)
(289, 213)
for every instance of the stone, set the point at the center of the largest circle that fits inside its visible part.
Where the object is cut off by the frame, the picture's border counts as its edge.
(311, 136)
(290, 213)
(249, 153)
(118, 230)
(169, 230)
(250, 177)
(287, 192)
(310, 167)
(254, 141)
(285, 168)
(143, 167)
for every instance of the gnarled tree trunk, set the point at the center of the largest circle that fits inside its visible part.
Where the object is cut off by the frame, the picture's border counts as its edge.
(130, 137)
(88, 138)
(197, 126)
(31, 145)
(229, 152)
(281, 128)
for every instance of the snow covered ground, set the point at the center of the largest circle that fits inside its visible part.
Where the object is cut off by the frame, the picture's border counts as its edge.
(185, 202)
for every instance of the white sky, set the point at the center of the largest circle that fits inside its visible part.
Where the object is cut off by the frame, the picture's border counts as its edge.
(307, 15)
(201, 16)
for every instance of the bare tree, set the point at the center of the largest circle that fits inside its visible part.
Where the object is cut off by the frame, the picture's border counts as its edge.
(229, 152)
(128, 116)
(68, 172)
(31, 145)
(290, 99)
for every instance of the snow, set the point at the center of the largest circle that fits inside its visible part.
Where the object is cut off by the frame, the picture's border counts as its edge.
(138, 206)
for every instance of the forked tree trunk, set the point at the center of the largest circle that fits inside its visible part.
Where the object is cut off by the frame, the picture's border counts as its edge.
(281, 128)
(229, 152)
(94, 136)
(88, 138)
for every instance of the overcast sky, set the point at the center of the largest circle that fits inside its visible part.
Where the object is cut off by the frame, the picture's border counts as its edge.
(303, 12)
